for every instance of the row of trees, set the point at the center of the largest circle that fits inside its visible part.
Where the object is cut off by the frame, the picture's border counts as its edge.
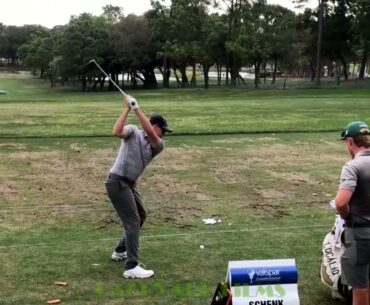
(225, 34)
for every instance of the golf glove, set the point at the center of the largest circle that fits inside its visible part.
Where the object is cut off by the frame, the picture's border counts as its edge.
(133, 102)
(333, 204)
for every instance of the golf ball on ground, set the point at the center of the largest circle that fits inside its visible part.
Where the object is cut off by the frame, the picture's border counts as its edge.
(201, 246)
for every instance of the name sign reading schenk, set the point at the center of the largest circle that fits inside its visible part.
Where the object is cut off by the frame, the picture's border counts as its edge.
(263, 282)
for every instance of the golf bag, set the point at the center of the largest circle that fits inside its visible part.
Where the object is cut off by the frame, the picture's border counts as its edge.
(330, 269)
(222, 295)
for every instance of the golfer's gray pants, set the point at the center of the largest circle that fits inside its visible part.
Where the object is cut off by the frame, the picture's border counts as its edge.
(129, 206)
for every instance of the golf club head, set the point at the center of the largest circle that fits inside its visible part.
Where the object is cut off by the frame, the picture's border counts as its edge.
(93, 60)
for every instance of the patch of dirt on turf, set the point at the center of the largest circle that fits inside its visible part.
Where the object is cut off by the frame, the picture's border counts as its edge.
(176, 201)
(77, 175)
(170, 188)
(176, 212)
(108, 219)
(279, 154)
(242, 140)
(227, 175)
(168, 185)
(294, 177)
(271, 193)
(77, 147)
(232, 141)
(34, 156)
(271, 210)
(341, 159)
(178, 158)
(62, 176)
(8, 191)
(13, 145)
(228, 167)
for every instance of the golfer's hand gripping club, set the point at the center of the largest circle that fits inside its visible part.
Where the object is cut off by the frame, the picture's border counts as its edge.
(132, 102)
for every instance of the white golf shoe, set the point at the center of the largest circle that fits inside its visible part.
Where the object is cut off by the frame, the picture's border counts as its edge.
(119, 256)
(138, 273)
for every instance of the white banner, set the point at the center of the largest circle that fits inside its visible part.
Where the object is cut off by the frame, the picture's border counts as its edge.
(263, 282)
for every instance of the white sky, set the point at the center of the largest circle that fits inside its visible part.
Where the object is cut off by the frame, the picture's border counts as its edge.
(57, 12)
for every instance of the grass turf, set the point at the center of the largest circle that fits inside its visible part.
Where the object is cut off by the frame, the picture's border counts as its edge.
(31, 109)
(269, 190)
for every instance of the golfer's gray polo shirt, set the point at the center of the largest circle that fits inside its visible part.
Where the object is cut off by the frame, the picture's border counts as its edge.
(134, 154)
(356, 178)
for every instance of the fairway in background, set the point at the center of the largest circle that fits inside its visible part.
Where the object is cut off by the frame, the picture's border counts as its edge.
(31, 109)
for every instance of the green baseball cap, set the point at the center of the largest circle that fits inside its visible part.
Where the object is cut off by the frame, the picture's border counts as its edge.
(355, 128)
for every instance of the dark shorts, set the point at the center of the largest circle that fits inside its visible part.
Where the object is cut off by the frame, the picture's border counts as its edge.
(355, 260)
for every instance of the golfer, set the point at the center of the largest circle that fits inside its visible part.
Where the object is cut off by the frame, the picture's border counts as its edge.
(353, 205)
(138, 148)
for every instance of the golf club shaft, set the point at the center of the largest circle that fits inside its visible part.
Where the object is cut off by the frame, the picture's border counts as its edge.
(94, 61)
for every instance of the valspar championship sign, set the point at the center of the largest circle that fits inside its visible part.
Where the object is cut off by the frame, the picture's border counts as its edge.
(263, 282)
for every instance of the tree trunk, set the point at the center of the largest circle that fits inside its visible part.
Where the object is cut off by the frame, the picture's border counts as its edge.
(337, 73)
(275, 71)
(184, 77)
(96, 81)
(330, 69)
(166, 73)
(167, 76)
(193, 81)
(229, 38)
(51, 80)
(313, 71)
(206, 77)
(227, 75)
(240, 78)
(84, 82)
(219, 68)
(150, 81)
(102, 82)
(319, 41)
(345, 67)
(257, 73)
(178, 82)
(111, 88)
(234, 70)
(134, 81)
(353, 69)
(363, 64)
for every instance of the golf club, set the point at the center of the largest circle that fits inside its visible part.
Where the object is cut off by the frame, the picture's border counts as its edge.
(100, 68)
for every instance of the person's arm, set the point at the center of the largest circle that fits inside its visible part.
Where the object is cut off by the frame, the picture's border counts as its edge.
(348, 183)
(342, 202)
(154, 139)
(119, 126)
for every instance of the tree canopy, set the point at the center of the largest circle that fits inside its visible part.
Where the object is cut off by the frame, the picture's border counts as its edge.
(225, 35)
